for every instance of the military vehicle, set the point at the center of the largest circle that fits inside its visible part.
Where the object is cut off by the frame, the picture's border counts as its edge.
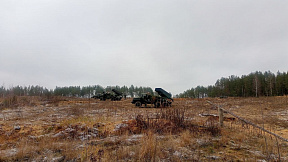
(117, 96)
(107, 95)
(163, 100)
(102, 96)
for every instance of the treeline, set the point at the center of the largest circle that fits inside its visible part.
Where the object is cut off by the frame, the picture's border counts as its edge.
(253, 85)
(25, 91)
(71, 91)
(86, 91)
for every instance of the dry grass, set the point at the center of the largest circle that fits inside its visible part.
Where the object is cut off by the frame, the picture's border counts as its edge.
(65, 129)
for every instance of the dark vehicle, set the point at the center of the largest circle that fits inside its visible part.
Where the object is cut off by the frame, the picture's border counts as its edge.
(144, 99)
(107, 95)
(117, 96)
(163, 100)
(103, 96)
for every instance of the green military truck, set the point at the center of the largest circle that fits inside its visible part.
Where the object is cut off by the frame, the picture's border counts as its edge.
(117, 96)
(163, 100)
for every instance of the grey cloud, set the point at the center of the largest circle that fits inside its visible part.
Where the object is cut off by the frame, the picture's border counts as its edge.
(172, 44)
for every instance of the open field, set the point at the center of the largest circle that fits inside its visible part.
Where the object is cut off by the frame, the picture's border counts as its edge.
(74, 129)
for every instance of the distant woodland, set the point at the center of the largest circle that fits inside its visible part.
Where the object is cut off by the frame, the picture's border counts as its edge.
(255, 84)
(71, 91)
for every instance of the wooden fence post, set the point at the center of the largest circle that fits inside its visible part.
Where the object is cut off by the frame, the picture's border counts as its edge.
(220, 111)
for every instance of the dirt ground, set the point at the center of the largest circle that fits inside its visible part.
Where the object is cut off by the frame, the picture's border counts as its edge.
(77, 129)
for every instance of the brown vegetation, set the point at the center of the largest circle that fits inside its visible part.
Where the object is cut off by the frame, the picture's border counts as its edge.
(63, 129)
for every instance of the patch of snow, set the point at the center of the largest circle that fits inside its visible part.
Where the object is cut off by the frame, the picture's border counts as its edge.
(119, 126)
(213, 157)
(177, 153)
(134, 138)
(60, 134)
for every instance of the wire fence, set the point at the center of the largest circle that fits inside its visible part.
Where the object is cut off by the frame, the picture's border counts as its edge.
(246, 121)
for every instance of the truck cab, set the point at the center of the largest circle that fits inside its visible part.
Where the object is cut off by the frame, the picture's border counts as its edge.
(163, 100)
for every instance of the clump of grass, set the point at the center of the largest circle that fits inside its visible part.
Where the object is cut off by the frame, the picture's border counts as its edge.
(89, 121)
(276, 121)
(76, 111)
(186, 138)
(174, 115)
(42, 149)
(148, 147)
(166, 122)
(212, 125)
(10, 101)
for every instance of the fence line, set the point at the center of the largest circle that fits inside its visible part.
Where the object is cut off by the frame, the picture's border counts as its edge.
(246, 121)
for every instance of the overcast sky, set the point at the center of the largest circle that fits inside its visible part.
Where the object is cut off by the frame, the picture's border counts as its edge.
(173, 44)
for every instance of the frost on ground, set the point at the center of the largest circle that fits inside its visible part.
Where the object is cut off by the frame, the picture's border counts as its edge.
(79, 129)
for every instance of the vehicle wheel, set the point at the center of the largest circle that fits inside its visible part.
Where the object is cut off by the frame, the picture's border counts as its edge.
(138, 104)
(165, 104)
(158, 104)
